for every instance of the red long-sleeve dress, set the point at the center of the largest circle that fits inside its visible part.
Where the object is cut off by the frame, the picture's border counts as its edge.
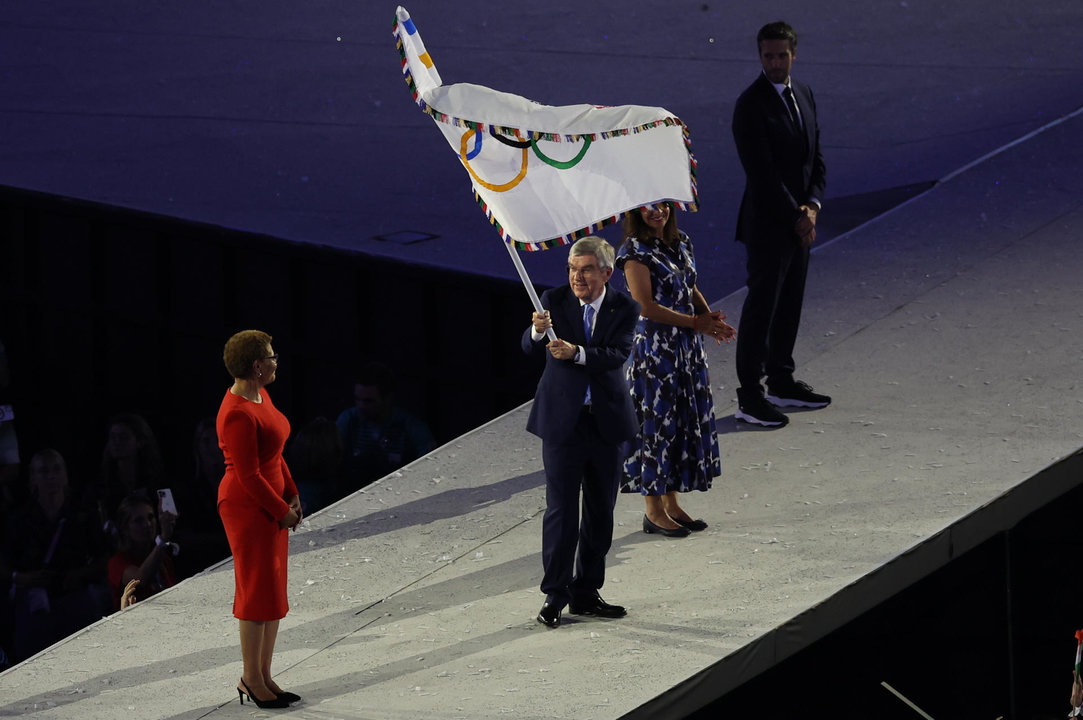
(252, 499)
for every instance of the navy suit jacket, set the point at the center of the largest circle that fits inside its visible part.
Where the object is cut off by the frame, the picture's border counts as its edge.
(784, 168)
(563, 384)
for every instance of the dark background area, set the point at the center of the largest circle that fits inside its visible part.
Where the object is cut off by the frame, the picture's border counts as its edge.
(988, 635)
(108, 310)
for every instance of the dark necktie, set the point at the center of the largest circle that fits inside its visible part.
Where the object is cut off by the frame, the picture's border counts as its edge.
(787, 95)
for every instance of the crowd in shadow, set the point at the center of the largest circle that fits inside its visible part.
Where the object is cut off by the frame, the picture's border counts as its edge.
(76, 538)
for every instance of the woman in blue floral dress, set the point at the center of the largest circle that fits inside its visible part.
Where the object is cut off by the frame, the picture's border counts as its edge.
(677, 449)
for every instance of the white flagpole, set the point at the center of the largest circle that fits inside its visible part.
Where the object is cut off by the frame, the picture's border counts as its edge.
(518, 262)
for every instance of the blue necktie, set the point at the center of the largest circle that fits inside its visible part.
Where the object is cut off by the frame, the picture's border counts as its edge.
(588, 315)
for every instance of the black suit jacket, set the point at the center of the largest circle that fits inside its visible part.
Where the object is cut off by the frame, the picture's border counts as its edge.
(563, 383)
(783, 167)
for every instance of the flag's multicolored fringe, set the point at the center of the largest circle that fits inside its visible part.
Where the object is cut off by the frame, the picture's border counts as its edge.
(538, 135)
(567, 239)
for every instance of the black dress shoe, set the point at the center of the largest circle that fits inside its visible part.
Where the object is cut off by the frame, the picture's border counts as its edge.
(649, 527)
(549, 615)
(597, 607)
(288, 696)
(693, 525)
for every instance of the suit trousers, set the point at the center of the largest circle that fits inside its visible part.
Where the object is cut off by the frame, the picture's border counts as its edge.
(771, 314)
(584, 462)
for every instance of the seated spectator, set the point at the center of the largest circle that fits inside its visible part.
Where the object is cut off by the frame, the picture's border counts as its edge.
(9, 442)
(144, 554)
(210, 462)
(131, 463)
(57, 555)
(315, 454)
(377, 437)
(7, 614)
(200, 531)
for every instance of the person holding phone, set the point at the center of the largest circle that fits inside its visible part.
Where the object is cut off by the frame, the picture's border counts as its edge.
(259, 505)
(145, 552)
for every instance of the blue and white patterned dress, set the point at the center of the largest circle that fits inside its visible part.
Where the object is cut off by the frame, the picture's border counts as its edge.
(677, 448)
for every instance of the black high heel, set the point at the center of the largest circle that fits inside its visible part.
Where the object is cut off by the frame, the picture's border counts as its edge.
(288, 696)
(278, 702)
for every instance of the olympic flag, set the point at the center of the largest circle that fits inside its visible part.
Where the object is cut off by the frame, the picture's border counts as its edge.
(544, 175)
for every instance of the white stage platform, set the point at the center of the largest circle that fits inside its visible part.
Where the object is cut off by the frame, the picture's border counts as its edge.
(948, 333)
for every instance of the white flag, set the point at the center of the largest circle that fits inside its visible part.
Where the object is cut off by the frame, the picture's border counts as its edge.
(545, 175)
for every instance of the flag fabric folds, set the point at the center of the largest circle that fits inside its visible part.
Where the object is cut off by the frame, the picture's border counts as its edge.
(545, 175)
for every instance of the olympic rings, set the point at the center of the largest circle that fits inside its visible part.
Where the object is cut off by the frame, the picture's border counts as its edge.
(477, 147)
(489, 186)
(511, 143)
(518, 143)
(561, 164)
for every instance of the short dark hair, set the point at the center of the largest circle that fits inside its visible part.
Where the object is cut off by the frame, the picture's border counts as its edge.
(777, 30)
(244, 349)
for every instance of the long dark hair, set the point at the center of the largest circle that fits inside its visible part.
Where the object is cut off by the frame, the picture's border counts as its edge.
(123, 517)
(635, 227)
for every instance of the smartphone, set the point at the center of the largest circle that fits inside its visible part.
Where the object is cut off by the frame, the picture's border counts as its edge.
(165, 501)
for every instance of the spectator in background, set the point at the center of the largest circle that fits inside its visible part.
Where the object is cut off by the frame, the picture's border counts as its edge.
(200, 532)
(7, 615)
(315, 455)
(131, 463)
(57, 556)
(10, 497)
(210, 462)
(9, 443)
(377, 437)
(144, 553)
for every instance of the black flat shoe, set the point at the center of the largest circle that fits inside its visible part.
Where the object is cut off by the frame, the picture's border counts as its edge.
(597, 607)
(693, 525)
(549, 615)
(649, 527)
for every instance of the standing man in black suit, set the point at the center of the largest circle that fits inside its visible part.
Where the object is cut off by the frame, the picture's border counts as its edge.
(778, 141)
(582, 412)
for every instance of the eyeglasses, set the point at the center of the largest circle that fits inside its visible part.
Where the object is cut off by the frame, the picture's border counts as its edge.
(587, 271)
(272, 357)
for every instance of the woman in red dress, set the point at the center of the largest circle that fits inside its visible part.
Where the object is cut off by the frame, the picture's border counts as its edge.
(259, 505)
